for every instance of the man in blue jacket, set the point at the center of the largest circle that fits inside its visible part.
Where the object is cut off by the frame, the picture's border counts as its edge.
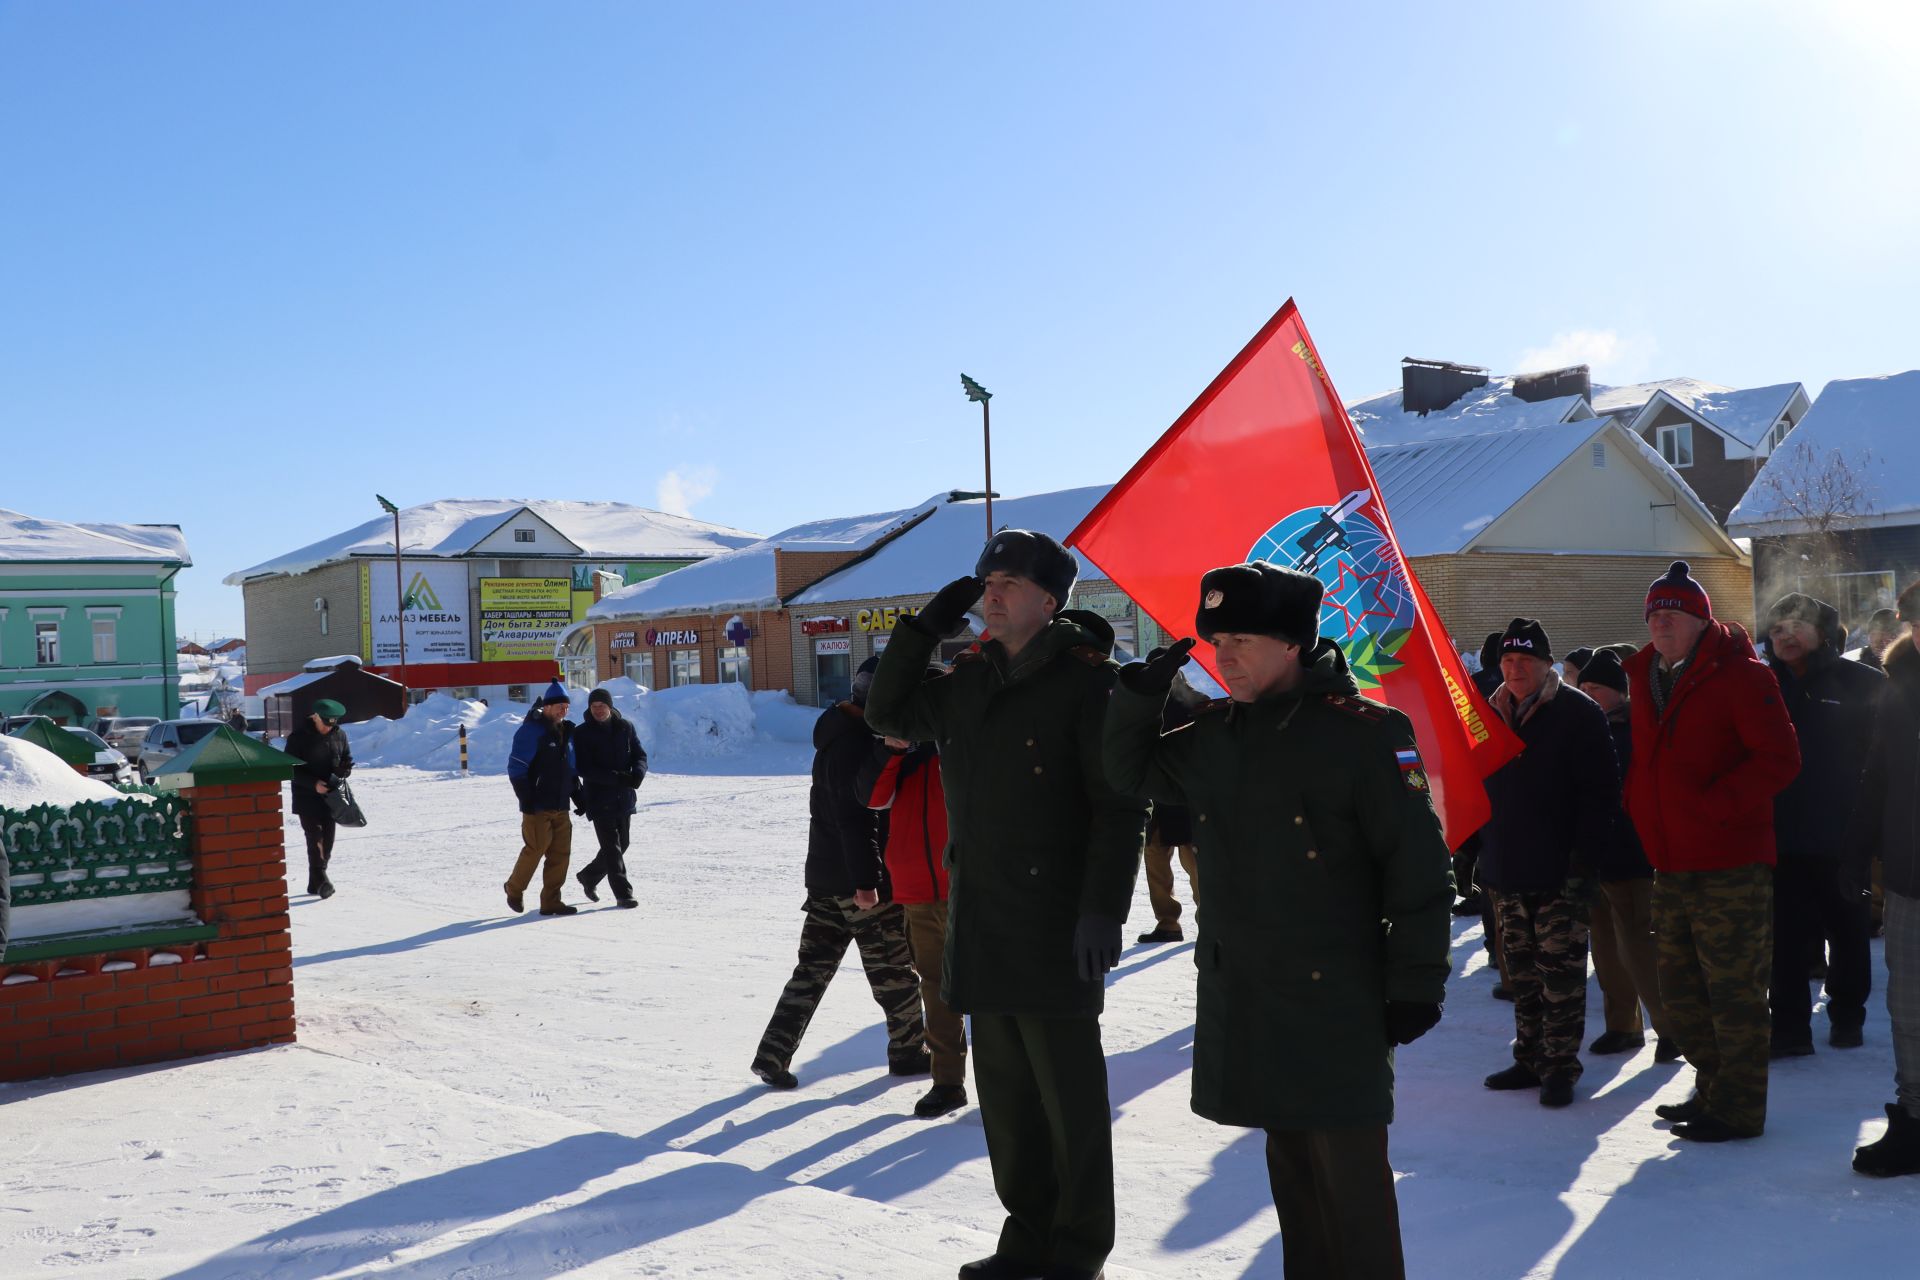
(544, 777)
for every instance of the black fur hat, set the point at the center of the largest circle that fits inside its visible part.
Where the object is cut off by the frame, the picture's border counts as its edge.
(1260, 599)
(1604, 668)
(1524, 635)
(1035, 557)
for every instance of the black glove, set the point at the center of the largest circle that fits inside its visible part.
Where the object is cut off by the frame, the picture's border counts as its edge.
(947, 610)
(1155, 675)
(1096, 946)
(1408, 1020)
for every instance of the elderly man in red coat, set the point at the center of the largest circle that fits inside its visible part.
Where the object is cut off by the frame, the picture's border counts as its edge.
(1712, 746)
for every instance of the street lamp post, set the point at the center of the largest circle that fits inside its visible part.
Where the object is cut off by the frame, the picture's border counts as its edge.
(399, 592)
(977, 392)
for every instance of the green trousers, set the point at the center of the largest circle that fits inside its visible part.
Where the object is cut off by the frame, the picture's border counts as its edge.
(1043, 1102)
(1715, 931)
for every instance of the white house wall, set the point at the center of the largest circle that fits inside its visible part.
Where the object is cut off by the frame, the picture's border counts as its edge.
(1581, 507)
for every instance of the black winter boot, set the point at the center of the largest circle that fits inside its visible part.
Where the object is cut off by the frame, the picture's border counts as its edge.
(1000, 1267)
(1898, 1150)
(1514, 1077)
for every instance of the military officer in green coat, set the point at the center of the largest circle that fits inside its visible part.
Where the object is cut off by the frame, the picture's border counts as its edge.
(1324, 938)
(1042, 855)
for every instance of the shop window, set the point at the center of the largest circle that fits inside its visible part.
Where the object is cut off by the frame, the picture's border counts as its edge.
(640, 669)
(576, 670)
(684, 667)
(46, 643)
(106, 640)
(516, 693)
(736, 665)
(833, 677)
(1676, 445)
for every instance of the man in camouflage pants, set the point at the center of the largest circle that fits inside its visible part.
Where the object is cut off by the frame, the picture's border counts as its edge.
(1712, 746)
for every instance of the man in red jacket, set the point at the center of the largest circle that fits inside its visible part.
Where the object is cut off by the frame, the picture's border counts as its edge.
(1712, 745)
(904, 778)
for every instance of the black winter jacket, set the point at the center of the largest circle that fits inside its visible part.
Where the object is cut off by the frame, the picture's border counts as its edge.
(1555, 805)
(612, 764)
(844, 837)
(1887, 808)
(1623, 859)
(323, 757)
(1832, 704)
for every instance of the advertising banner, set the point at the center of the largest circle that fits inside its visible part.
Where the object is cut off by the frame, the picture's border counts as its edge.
(522, 618)
(436, 612)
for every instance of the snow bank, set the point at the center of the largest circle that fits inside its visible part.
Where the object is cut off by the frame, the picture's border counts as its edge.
(676, 726)
(31, 775)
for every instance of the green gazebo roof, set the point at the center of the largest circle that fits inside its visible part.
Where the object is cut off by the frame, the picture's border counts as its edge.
(45, 733)
(221, 757)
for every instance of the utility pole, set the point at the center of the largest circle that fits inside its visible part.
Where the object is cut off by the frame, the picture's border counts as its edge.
(399, 591)
(977, 392)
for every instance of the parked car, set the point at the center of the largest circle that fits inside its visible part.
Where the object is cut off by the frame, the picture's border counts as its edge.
(168, 739)
(109, 764)
(123, 733)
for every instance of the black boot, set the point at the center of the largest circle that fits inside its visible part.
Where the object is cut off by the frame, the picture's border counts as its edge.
(941, 1099)
(1898, 1150)
(586, 887)
(1000, 1267)
(1681, 1112)
(1514, 1077)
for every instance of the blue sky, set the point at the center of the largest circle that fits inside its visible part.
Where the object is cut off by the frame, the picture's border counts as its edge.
(263, 260)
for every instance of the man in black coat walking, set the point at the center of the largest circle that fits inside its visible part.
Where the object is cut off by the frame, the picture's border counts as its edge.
(1554, 808)
(320, 745)
(1819, 884)
(612, 764)
(849, 900)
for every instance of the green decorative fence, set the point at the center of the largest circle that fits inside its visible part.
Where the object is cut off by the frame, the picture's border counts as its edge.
(93, 850)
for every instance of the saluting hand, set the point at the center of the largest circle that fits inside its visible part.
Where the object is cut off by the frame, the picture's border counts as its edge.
(946, 610)
(1155, 675)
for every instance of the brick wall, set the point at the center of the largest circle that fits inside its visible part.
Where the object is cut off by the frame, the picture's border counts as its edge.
(118, 1007)
(1580, 600)
(283, 631)
(795, 571)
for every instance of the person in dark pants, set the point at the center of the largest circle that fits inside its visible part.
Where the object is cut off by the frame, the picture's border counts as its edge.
(612, 764)
(849, 902)
(1329, 945)
(320, 745)
(1042, 855)
(1820, 886)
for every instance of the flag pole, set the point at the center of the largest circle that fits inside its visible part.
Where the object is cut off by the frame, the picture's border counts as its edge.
(977, 392)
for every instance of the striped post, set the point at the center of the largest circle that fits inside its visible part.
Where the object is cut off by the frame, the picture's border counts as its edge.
(463, 748)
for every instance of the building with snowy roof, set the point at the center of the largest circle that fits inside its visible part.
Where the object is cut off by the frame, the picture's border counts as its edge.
(87, 618)
(487, 585)
(1835, 512)
(1716, 438)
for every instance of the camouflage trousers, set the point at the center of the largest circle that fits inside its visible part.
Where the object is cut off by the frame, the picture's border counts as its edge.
(881, 935)
(1544, 936)
(1715, 931)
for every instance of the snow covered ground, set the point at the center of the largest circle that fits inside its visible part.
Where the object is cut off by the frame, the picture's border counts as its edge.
(478, 1095)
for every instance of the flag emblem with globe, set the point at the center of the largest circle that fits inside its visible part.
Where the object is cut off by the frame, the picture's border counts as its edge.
(1369, 609)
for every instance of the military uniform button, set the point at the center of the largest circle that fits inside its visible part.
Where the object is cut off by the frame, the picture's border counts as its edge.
(1033, 871)
(1316, 975)
(1038, 769)
(1203, 817)
(1299, 820)
(1313, 853)
(1029, 741)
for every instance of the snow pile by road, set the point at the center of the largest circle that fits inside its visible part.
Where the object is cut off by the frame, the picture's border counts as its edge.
(677, 727)
(31, 775)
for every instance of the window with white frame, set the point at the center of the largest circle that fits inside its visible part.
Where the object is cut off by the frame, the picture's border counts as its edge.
(1676, 445)
(106, 640)
(736, 665)
(683, 667)
(577, 670)
(46, 643)
(1780, 431)
(640, 669)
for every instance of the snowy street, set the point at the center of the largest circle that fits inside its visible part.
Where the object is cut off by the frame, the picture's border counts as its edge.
(477, 1094)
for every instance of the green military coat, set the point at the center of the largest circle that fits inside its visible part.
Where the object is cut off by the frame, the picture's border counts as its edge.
(1328, 891)
(1035, 836)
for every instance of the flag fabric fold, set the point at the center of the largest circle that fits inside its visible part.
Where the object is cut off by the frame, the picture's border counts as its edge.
(1266, 465)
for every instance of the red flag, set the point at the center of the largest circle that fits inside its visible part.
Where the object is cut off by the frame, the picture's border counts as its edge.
(1265, 465)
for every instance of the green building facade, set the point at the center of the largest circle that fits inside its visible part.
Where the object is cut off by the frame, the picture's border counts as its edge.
(87, 618)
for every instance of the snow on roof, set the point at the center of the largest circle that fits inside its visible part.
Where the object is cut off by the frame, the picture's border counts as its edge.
(291, 683)
(1442, 494)
(1873, 423)
(1383, 422)
(746, 578)
(25, 537)
(452, 527)
(947, 543)
(1744, 414)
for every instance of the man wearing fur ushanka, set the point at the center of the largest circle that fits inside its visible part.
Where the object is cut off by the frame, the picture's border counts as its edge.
(1323, 943)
